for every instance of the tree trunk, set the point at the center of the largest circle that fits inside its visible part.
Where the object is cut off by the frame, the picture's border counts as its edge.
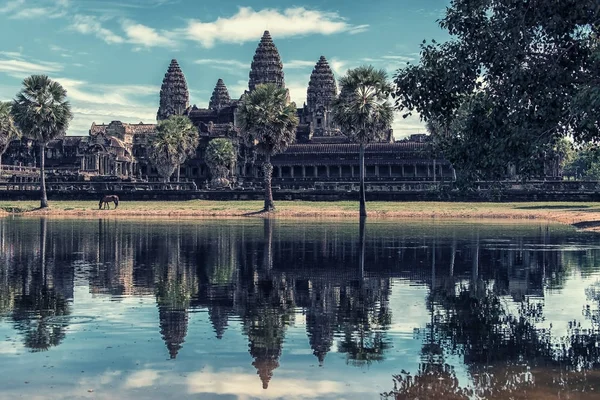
(268, 172)
(178, 172)
(361, 239)
(44, 200)
(0, 162)
(361, 192)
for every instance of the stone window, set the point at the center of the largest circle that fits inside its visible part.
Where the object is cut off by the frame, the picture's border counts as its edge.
(319, 122)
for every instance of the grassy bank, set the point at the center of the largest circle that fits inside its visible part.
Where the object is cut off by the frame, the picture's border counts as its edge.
(583, 214)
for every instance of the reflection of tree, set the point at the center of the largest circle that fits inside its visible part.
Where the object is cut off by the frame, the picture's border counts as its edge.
(507, 356)
(267, 311)
(364, 314)
(431, 382)
(38, 309)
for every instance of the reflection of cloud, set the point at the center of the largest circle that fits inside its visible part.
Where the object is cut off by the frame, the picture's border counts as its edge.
(106, 378)
(10, 347)
(248, 385)
(140, 379)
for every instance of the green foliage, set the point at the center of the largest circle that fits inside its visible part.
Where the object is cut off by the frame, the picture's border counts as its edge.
(363, 113)
(220, 156)
(362, 110)
(515, 78)
(176, 139)
(8, 129)
(42, 113)
(268, 119)
(584, 163)
(41, 110)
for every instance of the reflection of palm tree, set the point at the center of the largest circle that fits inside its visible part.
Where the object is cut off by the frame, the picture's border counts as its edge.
(268, 309)
(364, 314)
(37, 308)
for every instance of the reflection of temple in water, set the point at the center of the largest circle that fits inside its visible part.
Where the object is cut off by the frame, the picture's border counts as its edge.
(264, 274)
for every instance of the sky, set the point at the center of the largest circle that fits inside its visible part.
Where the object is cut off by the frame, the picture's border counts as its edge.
(111, 56)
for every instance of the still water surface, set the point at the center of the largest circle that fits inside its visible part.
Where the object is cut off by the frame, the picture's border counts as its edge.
(114, 309)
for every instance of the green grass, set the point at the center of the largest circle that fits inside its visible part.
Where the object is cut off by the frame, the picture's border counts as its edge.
(248, 206)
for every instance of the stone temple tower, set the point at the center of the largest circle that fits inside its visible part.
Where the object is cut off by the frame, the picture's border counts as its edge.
(266, 65)
(174, 95)
(220, 97)
(322, 91)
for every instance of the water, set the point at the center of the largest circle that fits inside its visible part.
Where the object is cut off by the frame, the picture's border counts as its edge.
(157, 309)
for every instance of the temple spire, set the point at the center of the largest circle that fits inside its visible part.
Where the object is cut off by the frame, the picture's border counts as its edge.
(321, 92)
(220, 97)
(174, 95)
(266, 65)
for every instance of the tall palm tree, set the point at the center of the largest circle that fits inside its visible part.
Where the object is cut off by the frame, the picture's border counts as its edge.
(363, 113)
(268, 120)
(41, 111)
(8, 129)
(176, 139)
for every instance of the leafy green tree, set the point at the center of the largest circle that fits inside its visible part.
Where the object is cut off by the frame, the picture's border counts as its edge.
(268, 120)
(516, 68)
(8, 129)
(176, 139)
(363, 113)
(585, 163)
(220, 156)
(41, 111)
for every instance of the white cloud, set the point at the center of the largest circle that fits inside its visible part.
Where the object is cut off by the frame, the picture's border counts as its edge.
(404, 127)
(248, 25)
(145, 36)
(299, 64)
(102, 103)
(49, 9)
(11, 6)
(89, 25)
(231, 66)
(22, 68)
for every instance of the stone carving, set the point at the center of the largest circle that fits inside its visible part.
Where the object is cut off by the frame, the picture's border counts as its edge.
(220, 97)
(266, 65)
(174, 95)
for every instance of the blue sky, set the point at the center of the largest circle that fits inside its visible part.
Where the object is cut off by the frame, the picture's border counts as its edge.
(111, 55)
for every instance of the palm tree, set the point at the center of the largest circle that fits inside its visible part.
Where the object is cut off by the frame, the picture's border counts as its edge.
(41, 111)
(176, 139)
(8, 130)
(268, 120)
(363, 113)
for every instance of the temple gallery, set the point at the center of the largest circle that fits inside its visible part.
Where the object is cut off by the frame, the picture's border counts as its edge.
(321, 153)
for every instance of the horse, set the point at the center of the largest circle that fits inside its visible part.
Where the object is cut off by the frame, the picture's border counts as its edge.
(108, 199)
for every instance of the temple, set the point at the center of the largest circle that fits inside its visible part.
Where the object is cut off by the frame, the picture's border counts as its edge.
(321, 157)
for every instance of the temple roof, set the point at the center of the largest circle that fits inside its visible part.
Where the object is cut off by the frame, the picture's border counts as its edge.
(220, 96)
(266, 65)
(310, 148)
(322, 89)
(131, 129)
(174, 94)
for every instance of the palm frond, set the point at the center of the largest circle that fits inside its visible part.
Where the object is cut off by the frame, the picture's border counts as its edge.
(41, 110)
(268, 119)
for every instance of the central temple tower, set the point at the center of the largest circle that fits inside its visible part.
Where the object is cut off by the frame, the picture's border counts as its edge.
(266, 65)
